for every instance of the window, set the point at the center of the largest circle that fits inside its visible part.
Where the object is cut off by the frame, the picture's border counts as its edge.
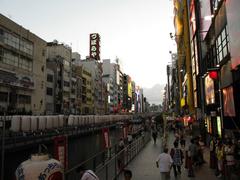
(26, 47)
(11, 40)
(24, 99)
(25, 64)
(66, 83)
(49, 78)
(3, 96)
(222, 45)
(49, 91)
(10, 58)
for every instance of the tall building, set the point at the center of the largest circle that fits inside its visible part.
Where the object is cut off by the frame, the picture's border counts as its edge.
(112, 76)
(215, 33)
(95, 68)
(22, 69)
(184, 63)
(59, 58)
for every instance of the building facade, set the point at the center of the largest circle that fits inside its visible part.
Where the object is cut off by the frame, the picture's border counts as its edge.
(59, 58)
(22, 69)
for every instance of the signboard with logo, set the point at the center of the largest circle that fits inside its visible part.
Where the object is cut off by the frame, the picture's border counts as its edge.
(209, 90)
(95, 46)
(60, 150)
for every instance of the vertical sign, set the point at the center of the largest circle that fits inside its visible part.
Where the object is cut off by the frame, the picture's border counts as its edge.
(60, 150)
(106, 137)
(95, 46)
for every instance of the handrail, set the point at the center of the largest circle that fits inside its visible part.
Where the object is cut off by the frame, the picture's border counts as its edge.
(109, 168)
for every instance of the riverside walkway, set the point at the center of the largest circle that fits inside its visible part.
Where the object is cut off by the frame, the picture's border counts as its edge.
(144, 167)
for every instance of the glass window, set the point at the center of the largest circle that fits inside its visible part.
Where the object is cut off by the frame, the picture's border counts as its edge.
(50, 78)
(3, 96)
(222, 45)
(24, 99)
(49, 91)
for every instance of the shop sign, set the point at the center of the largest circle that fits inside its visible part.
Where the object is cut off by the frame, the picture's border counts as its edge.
(95, 46)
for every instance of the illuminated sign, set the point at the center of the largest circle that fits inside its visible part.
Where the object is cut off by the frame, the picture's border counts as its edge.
(228, 102)
(95, 46)
(129, 87)
(209, 90)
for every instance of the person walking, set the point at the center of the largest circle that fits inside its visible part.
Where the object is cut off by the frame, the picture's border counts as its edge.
(192, 152)
(229, 158)
(219, 154)
(154, 135)
(164, 163)
(177, 156)
(120, 155)
(86, 174)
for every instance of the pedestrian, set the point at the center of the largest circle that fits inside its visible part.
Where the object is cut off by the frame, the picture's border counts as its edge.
(177, 156)
(192, 153)
(219, 155)
(201, 150)
(154, 135)
(120, 155)
(182, 142)
(129, 138)
(164, 163)
(86, 174)
(212, 153)
(127, 174)
(230, 160)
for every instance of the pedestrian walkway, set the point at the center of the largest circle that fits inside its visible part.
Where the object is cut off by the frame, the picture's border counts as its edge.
(144, 167)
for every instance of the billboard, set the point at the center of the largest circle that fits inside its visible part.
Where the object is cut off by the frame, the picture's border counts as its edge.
(129, 87)
(228, 102)
(209, 90)
(94, 46)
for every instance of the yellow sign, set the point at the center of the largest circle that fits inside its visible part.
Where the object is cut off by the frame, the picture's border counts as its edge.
(183, 102)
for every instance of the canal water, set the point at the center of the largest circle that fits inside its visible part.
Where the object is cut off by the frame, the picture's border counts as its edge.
(79, 149)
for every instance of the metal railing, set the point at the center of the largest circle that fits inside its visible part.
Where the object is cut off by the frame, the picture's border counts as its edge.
(109, 164)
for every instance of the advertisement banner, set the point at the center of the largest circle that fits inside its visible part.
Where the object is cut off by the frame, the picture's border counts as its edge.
(60, 150)
(106, 137)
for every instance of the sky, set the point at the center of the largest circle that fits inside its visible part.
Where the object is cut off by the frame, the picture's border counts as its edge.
(135, 31)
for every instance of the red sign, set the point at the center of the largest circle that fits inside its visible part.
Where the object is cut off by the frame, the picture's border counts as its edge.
(106, 137)
(60, 150)
(95, 46)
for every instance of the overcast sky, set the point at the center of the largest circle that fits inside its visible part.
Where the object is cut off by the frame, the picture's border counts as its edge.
(136, 31)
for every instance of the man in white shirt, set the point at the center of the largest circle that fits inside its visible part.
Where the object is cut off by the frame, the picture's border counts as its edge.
(164, 162)
(86, 174)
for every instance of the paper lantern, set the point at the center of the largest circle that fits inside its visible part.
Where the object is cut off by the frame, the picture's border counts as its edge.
(213, 75)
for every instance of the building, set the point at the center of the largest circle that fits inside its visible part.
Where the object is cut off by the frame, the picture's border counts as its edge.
(87, 91)
(22, 69)
(59, 58)
(184, 61)
(216, 33)
(95, 68)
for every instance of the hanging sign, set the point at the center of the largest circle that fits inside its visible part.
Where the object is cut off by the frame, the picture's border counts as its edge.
(60, 150)
(106, 137)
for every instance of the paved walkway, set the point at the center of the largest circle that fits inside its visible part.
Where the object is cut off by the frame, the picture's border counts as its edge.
(144, 167)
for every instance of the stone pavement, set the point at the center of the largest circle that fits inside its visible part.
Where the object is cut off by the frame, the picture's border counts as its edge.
(144, 167)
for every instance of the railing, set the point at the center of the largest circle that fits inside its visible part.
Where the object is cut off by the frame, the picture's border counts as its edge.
(109, 164)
